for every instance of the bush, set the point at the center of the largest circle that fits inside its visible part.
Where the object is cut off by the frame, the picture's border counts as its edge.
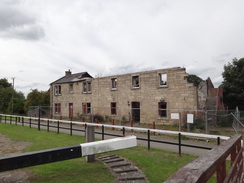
(199, 123)
(97, 117)
(225, 121)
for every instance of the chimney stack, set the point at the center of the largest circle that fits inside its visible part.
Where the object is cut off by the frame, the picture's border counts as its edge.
(68, 73)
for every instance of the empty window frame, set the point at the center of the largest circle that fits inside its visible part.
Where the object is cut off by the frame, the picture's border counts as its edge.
(135, 82)
(114, 83)
(57, 108)
(162, 109)
(87, 87)
(57, 90)
(113, 108)
(162, 79)
(86, 108)
(71, 88)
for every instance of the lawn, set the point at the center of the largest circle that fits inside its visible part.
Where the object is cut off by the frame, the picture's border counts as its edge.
(156, 164)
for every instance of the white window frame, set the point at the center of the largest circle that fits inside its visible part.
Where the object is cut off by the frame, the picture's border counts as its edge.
(87, 108)
(57, 90)
(86, 87)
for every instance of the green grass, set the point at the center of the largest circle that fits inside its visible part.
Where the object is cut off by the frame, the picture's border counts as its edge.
(156, 164)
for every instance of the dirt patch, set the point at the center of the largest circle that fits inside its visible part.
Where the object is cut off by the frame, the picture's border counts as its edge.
(9, 147)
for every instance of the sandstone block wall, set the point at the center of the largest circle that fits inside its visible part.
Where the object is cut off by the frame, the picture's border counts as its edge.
(178, 94)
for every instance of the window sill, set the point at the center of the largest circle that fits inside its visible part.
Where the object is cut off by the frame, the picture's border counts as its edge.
(114, 89)
(163, 86)
(161, 117)
(87, 92)
(135, 88)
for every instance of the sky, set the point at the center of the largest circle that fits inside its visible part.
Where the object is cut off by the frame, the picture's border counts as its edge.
(40, 40)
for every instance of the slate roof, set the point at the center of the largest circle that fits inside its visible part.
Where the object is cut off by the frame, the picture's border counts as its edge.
(73, 78)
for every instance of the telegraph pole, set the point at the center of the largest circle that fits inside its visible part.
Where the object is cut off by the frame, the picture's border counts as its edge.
(13, 97)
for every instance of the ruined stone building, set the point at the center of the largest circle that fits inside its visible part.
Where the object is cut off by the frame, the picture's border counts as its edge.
(141, 97)
(210, 98)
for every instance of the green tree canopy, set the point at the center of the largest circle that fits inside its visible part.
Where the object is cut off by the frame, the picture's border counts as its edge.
(4, 83)
(37, 98)
(9, 95)
(194, 79)
(233, 84)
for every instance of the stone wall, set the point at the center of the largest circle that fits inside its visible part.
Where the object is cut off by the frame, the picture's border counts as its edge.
(178, 94)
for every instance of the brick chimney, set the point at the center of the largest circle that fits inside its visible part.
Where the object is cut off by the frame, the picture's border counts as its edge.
(68, 73)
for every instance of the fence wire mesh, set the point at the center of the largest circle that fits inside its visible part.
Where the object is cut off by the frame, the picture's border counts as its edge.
(204, 121)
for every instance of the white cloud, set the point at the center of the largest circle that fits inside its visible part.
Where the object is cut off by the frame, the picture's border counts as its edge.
(40, 40)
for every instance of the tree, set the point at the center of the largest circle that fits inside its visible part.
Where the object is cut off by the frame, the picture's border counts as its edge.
(194, 79)
(233, 84)
(37, 98)
(9, 95)
(5, 98)
(4, 83)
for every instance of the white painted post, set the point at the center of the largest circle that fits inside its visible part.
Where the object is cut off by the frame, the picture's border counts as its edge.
(90, 137)
(108, 145)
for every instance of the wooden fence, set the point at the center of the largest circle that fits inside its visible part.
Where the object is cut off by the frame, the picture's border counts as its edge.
(202, 169)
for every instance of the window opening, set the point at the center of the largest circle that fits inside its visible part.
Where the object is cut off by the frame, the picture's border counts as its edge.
(87, 87)
(114, 83)
(57, 108)
(135, 82)
(162, 109)
(162, 79)
(71, 88)
(113, 108)
(86, 108)
(57, 90)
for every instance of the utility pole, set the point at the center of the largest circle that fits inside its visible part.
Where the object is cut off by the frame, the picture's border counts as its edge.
(13, 97)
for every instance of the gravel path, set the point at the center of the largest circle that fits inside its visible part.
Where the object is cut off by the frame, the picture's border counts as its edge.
(8, 147)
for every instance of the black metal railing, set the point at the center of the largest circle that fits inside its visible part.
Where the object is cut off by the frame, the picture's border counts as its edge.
(74, 126)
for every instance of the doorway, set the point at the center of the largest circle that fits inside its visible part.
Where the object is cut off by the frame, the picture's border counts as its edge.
(70, 110)
(135, 111)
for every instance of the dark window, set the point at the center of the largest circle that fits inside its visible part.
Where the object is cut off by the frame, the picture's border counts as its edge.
(113, 108)
(57, 108)
(162, 109)
(135, 82)
(114, 83)
(86, 108)
(57, 90)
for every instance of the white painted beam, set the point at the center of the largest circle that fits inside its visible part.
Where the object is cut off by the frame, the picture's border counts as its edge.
(108, 145)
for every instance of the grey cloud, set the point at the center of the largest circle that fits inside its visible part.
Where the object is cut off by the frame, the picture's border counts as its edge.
(26, 32)
(203, 72)
(31, 85)
(223, 58)
(18, 24)
(128, 68)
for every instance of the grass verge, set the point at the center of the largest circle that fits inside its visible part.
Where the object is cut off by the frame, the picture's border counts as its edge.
(156, 164)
